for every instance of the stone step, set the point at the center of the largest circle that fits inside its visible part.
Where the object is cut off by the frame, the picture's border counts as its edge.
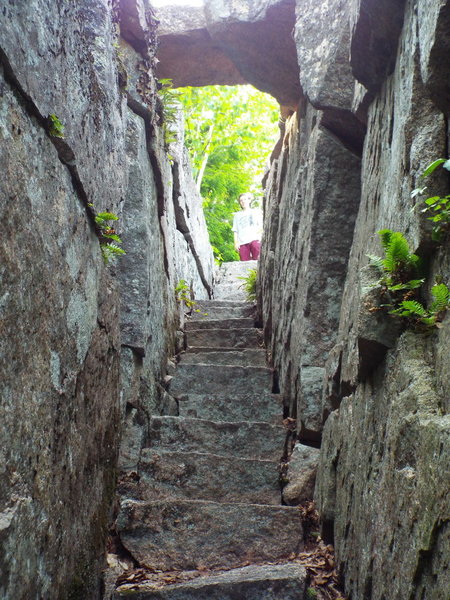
(247, 357)
(203, 311)
(239, 323)
(228, 380)
(199, 476)
(255, 582)
(190, 534)
(240, 439)
(208, 304)
(264, 406)
(232, 291)
(225, 338)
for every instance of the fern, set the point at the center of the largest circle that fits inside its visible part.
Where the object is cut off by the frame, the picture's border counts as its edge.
(110, 251)
(398, 291)
(441, 295)
(376, 261)
(414, 308)
(102, 217)
(183, 293)
(412, 284)
(55, 127)
(397, 253)
(249, 284)
(385, 237)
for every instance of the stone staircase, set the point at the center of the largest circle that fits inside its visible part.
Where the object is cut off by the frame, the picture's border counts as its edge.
(207, 501)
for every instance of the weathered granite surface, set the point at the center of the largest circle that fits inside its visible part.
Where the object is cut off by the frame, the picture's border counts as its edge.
(256, 582)
(186, 52)
(66, 384)
(257, 37)
(188, 534)
(322, 35)
(311, 206)
(378, 489)
(384, 479)
(301, 475)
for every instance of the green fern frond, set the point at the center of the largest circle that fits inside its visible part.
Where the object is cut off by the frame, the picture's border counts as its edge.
(397, 252)
(105, 216)
(441, 295)
(414, 308)
(110, 251)
(376, 261)
(430, 321)
(413, 284)
(385, 237)
(249, 284)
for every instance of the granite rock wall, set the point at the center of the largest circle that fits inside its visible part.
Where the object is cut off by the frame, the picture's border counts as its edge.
(375, 395)
(82, 344)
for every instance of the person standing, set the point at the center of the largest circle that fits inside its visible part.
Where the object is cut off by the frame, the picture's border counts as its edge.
(247, 228)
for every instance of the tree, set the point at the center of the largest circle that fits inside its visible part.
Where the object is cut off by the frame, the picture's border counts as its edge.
(230, 132)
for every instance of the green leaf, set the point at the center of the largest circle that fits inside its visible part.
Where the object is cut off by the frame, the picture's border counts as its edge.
(414, 307)
(56, 128)
(397, 252)
(433, 166)
(112, 236)
(375, 261)
(105, 216)
(409, 285)
(431, 201)
(385, 235)
(441, 295)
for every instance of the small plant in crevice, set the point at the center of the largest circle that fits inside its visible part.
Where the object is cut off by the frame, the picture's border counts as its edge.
(55, 127)
(109, 242)
(399, 269)
(430, 316)
(437, 207)
(249, 284)
(183, 294)
(400, 282)
(170, 108)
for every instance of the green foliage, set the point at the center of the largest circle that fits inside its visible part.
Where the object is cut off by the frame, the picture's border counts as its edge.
(229, 132)
(55, 127)
(431, 316)
(399, 291)
(110, 250)
(399, 265)
(183, 294)
(249, 284)
(311, 594)
(170, 100)
(437, 207)
(441, 217)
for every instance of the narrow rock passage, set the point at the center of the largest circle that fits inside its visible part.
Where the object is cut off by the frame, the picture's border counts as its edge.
(207, 502)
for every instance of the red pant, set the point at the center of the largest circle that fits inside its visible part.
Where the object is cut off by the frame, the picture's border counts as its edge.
(250, 251)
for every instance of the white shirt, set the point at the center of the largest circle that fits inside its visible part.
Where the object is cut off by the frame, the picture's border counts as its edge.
(247, 224)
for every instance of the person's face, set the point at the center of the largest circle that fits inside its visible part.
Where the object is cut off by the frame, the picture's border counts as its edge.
(245, 201)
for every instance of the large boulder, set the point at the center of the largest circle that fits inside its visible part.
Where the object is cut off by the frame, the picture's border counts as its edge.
(376, 27)
(322, 36)
(434, 23)
(257, 36)
(186, 53)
